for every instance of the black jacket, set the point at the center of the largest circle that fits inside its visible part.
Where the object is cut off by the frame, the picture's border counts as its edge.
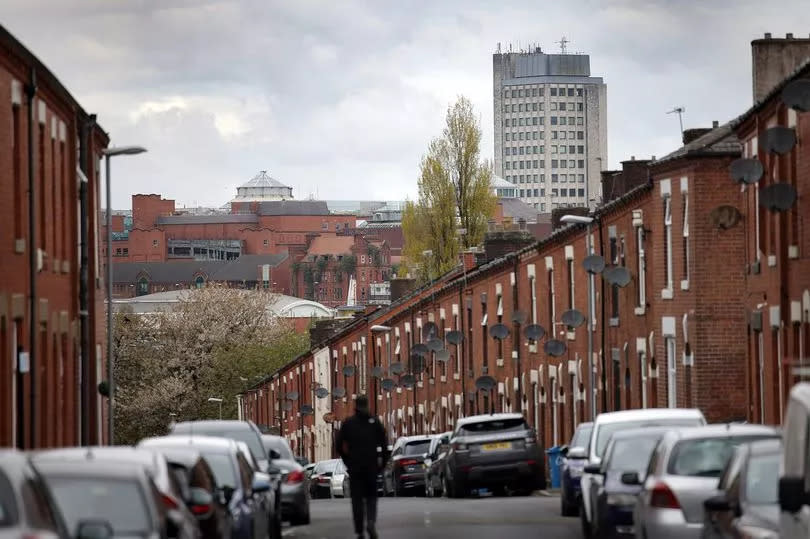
(362, 444)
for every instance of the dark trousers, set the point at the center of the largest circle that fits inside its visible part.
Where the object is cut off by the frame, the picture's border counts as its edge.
(363, 488)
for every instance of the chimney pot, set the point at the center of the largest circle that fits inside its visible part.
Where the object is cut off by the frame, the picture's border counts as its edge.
(715, 123)
(789, 35)
(632, 158)
(767, 35)
(652, 158)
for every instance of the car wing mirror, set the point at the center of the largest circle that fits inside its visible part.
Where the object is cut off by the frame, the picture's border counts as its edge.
(201, 502)
(792, 495)
(631, 478)
(94, 529)
(717, 504)
(577, 453)
(261, 482)
(595, 469)
(564, 450)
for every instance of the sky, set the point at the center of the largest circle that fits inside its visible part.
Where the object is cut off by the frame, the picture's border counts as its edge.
(339, 99)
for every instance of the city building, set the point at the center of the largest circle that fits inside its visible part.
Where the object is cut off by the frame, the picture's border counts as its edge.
(52, 329)
(550, 126)
(259, 189)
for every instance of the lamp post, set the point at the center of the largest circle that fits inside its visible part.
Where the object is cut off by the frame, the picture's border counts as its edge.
(581, 219)
(217, 400)
(109, 153)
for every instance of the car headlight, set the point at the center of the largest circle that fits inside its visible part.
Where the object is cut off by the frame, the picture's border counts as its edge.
(753, 532)
(621, 499)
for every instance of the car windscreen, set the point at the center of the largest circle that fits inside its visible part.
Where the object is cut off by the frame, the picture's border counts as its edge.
(416, 448)
(631, 455)
(120, 502)
(606, 430)
(327, 466)
(581, 437)
(704, 457)
(492, 426)
(222, 466)
(279, 445)
(8, 507)
(762, 480)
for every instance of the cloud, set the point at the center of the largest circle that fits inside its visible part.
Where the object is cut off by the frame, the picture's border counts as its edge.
(342, 98)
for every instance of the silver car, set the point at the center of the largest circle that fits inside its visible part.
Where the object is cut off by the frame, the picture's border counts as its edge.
(294, 481)
(683, 472)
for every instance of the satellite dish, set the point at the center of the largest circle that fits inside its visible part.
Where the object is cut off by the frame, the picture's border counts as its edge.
(594, 264)
(778, 139)
(429, 330)
(518, 317)
(434, 345)
(420, 350)
(292, 396)
(618, 276)
(349, 370)
(417, 363)
(725, 217)
(287, 406)
(388, 384)
(746, 170)
(455, 337)
(573, 318)
(377, 372)
(777, 197)
(499, 331)
(534, 332)
(409, 380)
(443, 356)
(396, 368)
(307, 410)
(485, 383)
(554, 347)
(321, 392)
(339, 392)
(796, 95)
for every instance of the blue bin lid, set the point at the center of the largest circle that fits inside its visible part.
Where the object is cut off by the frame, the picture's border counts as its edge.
(552, 450)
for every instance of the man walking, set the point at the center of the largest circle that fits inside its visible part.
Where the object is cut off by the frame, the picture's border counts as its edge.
(362, 445)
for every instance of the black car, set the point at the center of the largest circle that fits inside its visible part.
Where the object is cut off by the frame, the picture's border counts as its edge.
(498, 452)
(35, 513)
(405, 470)
(748, 505)
(573, 457)
(434, 465)
(628, 452)
(320, 481)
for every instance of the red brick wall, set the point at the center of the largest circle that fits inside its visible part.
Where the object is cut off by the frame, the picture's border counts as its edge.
(147, 208)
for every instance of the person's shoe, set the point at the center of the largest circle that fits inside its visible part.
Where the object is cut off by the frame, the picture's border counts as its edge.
(372, 532)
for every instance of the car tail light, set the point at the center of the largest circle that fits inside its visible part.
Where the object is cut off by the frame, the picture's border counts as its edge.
(407, 462)
(530, 440)
(200, 509)
(662, 497)
(296, 476)
(169, 502)
(531, 462)
(323, 479)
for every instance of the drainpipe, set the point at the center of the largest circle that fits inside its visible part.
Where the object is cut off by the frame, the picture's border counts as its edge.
(33, 252)
(85, 381)
(462, 353)
(602, 324)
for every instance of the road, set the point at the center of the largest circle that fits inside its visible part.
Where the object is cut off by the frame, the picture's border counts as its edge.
(425, 518)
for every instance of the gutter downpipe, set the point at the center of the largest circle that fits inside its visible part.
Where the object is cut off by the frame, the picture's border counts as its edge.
(84, 291)
(602, 324)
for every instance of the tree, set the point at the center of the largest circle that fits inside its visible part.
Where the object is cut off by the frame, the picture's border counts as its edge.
(454, 192)
(206, 346)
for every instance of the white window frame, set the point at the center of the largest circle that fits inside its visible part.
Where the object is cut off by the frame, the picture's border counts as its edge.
(666, 293)
(672, 372)
(641, 258)
(686, 246)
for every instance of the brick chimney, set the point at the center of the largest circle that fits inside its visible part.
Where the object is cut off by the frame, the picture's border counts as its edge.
(695, 133)
(773, 59)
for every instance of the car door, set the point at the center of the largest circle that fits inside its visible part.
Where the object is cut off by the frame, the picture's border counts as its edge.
(251, 503)
(389, 469)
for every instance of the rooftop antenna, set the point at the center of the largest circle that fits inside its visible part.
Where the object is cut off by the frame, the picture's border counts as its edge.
(679, 111)
(563, 43)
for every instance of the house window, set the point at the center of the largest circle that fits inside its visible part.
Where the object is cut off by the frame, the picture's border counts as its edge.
(484, 317)
(551, 309)
(641, 264)
(614, 259)
(16, 148)
(266, 242)
(199, 282)
(672, 374)
(570, 263)
(668, 243)
(685, 283)
(155, 243)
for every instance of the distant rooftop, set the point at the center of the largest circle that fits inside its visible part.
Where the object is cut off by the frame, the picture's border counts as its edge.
(244, 268)
(293, 207)
(262, 187)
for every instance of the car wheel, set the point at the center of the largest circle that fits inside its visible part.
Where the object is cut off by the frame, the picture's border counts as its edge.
(301, 520)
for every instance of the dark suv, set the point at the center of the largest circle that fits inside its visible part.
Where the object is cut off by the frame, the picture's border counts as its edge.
(405, 470)
(498, 451)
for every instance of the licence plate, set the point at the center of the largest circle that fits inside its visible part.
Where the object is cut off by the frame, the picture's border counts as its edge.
(500, 446)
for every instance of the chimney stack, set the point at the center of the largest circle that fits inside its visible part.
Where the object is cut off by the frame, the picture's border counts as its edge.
(715, 124)
(774, 59)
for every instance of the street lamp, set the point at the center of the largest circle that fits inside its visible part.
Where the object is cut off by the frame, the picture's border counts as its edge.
(584, 220)
(218, 400)
(108, 153)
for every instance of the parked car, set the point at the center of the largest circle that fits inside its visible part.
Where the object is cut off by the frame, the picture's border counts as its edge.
(240, 431)
(339, 482)
(294, 482)
(199, 487)
(320, 483)
(609, 423)
(106, 498)
(171, 494)
(405, 470)
(434, 464)
(242, 489)
(308, 470)
(683, 472)
(626, 456)
(574, 456)
(794, 495)
(272, 498)
(35, 513)
(498, 451)
(748, 503)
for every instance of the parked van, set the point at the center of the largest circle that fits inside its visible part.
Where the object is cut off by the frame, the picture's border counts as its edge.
(794, 481)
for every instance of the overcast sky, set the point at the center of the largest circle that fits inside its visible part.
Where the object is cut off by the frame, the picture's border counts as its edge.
(340, 98)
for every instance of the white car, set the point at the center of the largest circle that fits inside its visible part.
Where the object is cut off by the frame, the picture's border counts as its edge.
(609, 423)
(794, 520)
(339, 485)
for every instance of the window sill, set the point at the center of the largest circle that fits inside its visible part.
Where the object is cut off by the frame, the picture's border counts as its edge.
(456, 376)
(685, 285)
(399, 390)
(499, 362)
(613, 322)
(771, 261)
(640, 311)
(65, 266)
(19, 246)
(666, 293)
(793, 252)
(443, 379)
(420, 384)
(570, 335)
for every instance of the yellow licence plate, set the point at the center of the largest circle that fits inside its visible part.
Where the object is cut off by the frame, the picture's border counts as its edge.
(497, 447)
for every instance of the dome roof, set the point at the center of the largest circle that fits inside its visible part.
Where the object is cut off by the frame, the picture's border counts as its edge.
(262, 179)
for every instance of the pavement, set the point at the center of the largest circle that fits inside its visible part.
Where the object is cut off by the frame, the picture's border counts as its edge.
(424, 518)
